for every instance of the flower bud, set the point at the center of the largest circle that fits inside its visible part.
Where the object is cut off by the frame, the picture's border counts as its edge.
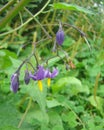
(27, 77)
(60, 36)
(14, 82)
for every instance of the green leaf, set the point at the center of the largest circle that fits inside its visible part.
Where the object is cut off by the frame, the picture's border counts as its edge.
(52, 61)
(66, 6)
(69, 85)
(15, 62)
(36, 117)
(57, 127)
(70, 118)
(5, 62)
(52, 103)
(38, 96)
(55, 121)
(9, 115)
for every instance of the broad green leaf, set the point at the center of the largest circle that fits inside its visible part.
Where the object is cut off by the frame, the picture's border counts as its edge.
(5, 62)
(40, 97)
(37, 117)
(52, 103)
(70, 118)
(52, 61)
(15, 62)
(69, 85)
(55, 120)
(65, 102)
(57, 127)
(66, 6)
(9, 115)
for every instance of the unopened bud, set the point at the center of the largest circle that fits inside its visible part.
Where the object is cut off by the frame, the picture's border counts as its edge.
(27, 77)
(14, 82)
(60, 37)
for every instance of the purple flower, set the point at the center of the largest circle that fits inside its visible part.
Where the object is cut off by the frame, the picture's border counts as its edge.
(27, 77)
(40, 74)
(51, 75)
(60, 36)
(14, 82)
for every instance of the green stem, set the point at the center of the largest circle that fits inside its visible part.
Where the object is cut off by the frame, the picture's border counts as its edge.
(26, 60)
(26, 111)
(6, 6)
(38, 23)
(82, 123)
(13, 12)
(26, 21)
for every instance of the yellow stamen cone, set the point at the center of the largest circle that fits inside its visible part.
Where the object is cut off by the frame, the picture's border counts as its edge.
(49, 82)
(40, 85)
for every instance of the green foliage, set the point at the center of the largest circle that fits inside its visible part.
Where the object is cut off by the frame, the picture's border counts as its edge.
(70, 103)
(66, 6)
(13, 12)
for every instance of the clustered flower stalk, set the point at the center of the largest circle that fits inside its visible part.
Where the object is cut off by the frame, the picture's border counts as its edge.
(40, 72)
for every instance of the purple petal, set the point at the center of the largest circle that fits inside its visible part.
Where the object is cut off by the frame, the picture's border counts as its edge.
(40, 73)
(32, 76)
(48, 74)
(54, 73)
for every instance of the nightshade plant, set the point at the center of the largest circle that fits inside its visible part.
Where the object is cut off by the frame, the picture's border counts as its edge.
(64, 102)
(40, 72)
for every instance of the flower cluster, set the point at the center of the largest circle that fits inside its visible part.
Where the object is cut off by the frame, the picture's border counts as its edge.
(40, 74)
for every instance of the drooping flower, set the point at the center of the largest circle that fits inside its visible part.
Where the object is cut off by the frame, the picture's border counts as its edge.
(39, 75)
(27, 77)
(60, 35)
(51, 75)
(14, 82)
